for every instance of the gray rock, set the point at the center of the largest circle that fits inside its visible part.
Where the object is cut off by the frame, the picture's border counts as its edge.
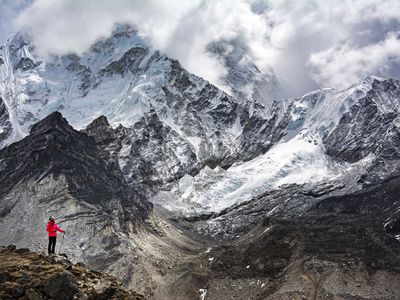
(61, 286)
(11, 247)
(18, 291)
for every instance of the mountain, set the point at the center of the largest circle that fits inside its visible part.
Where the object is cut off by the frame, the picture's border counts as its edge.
(254, 196)
(346, 139)
(59, 171)
(294, 240)
(124, 79)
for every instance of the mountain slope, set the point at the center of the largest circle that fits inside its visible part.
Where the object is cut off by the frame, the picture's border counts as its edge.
(346, 138)
(59, 171)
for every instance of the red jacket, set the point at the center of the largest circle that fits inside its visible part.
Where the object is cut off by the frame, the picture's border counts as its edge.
(52, 228)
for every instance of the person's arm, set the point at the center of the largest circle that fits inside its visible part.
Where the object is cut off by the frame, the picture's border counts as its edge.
(48, 227)
(59, 229)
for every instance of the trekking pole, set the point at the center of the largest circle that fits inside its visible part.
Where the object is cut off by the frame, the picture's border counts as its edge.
(46, 242)
(62, 239)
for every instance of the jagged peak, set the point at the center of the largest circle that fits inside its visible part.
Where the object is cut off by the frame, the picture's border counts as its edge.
(370, 79)
(100, 122)
(124, 28)
(53, 120)
(21, 37)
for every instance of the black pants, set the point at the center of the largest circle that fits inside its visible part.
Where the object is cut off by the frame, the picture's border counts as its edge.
(52, 244)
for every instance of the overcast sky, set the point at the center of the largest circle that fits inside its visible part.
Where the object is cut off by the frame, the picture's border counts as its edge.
(309, 44)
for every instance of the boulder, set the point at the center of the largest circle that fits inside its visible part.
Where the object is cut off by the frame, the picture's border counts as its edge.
(61, 286)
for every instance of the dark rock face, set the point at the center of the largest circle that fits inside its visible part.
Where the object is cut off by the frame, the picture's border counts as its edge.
(234, 221)
(26, 64)
(302, 245)
(376, 203)
(85, 75)
(303, 257)
(352, 143)
(261, 133)
(149, 147)
(55, 148)
(130, 61)
(370, 127)
(379, 201)
(5, 124)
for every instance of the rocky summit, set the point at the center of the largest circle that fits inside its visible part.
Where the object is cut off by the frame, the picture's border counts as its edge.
(28, 275)
(185, 191)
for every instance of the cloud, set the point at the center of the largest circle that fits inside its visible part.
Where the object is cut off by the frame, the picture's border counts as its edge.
(303, 33)
(305, 42)
(353, 62)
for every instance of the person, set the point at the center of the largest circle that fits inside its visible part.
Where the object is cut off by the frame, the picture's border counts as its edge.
(52, 229)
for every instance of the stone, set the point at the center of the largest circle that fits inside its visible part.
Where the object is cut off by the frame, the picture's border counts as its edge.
(18, 291)
(61, 286)
(11, 247)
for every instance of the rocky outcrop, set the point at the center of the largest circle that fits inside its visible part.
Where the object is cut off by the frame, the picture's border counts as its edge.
(29, 275)
(149, 154)
(370, 127)
(56, 149)
(374, 114)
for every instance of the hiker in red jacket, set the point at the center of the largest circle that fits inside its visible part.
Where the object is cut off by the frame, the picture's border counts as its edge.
(52, 228)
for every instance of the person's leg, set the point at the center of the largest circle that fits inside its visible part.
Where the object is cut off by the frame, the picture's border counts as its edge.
(49, 247)
(54, 245)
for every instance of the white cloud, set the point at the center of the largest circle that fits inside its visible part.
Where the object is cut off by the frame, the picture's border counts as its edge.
(305, 42)
(302, 30)
(338, 66)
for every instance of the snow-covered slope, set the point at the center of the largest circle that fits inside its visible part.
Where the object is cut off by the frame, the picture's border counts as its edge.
(176, 127)
(329, 136)
(124, 79)
(80, 87)
(298, 160)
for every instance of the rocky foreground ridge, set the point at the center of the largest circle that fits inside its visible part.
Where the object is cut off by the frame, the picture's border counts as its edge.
(28, 275)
